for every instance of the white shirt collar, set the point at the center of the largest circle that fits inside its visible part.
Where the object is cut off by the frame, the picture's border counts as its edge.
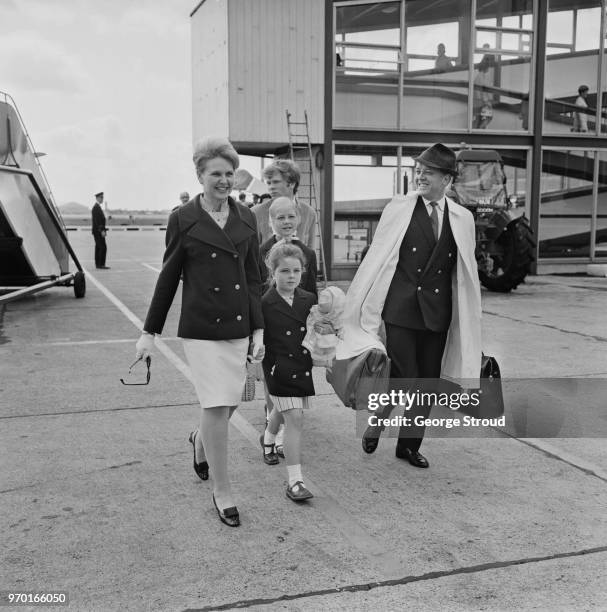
(440, 202)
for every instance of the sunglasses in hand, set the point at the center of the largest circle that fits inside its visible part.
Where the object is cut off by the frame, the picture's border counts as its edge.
(148, 363)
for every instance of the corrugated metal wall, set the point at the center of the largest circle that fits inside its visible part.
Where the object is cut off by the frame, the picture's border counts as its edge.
(276, 62)
(210, 74)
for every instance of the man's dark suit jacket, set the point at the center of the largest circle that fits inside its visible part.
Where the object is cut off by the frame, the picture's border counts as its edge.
(420, 292)
(287, 365)
(98, 220)
(221, 283)
(308, 277)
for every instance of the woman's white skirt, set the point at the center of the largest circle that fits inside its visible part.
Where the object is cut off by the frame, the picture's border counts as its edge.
(218, 369)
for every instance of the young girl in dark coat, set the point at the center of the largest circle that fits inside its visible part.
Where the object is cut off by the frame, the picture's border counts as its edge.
(287, 365)
(284, 221)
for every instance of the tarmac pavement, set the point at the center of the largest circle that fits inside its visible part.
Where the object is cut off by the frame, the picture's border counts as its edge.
(99, 497)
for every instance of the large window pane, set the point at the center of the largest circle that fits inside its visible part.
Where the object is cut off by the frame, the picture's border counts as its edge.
(566, 203)
(503, 47)
(350, 237)
(571, 66)
(559, 34)
(435, 69)
(364, 181)
(588, 28)
(367, 43)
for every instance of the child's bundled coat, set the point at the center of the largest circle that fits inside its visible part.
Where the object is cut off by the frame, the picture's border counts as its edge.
(287, 365)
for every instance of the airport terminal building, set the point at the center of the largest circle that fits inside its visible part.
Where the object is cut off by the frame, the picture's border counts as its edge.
(381, 81)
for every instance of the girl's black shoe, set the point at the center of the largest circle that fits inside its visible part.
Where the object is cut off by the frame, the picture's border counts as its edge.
(270, 458)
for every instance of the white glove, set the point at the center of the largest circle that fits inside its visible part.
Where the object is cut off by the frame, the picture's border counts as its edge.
(258, 350)
(144, 346)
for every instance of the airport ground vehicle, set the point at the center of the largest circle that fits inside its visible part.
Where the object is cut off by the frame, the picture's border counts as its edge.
(505, 246)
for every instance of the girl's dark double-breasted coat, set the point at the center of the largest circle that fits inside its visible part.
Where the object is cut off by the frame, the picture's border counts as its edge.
(287, 365)
(220, 267)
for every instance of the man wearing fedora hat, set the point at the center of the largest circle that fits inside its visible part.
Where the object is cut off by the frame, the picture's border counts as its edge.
(420, 280)
(99, 230)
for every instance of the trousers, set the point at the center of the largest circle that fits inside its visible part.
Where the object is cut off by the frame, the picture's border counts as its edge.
(416, 356)
(100, 250)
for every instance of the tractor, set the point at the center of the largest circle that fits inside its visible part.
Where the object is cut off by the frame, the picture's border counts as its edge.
(505, 247)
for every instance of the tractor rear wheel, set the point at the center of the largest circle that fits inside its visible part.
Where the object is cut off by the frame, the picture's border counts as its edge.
(512, 253)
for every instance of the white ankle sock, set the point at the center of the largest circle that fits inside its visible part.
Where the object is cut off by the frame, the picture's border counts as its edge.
(268, 438)
(294, 473)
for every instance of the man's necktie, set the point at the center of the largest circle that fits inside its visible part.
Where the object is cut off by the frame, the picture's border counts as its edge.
(434, 219)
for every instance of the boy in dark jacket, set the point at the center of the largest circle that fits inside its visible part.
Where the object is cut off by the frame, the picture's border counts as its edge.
(284, 219)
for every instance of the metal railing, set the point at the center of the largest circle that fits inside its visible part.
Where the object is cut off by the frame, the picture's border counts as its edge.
(348, 59)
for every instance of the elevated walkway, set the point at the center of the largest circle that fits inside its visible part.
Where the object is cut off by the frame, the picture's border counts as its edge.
(366, 98)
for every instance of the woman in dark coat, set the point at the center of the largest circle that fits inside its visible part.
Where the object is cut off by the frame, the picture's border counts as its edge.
(212, 243)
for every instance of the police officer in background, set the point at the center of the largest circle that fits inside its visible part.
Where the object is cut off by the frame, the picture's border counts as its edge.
(99, 231)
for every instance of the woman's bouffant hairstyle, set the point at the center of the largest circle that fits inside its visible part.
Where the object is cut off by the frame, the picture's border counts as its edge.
(287, 169)
(210, 148)
(280, 251)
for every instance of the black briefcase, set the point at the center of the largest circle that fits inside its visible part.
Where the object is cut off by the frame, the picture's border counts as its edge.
(491, 403)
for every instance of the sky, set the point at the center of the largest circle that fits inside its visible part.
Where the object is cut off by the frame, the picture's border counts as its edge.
(104, 89)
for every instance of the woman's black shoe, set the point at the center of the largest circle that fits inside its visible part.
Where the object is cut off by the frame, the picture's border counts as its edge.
(229, 516)
(202, 468)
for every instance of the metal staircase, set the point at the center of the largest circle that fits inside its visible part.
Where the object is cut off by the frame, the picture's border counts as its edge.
(34, 250)
(300, 149)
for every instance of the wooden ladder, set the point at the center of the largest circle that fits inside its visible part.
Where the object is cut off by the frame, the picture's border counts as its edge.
(300, 150)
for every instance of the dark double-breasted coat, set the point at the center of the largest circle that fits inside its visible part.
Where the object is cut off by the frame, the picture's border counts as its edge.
(287, 365)
(420, 295)
(220, 267)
